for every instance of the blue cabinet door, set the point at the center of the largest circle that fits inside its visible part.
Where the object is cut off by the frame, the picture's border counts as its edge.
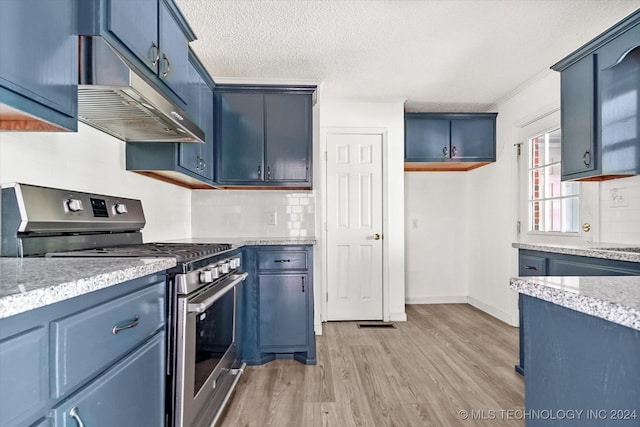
(241, 138)
(174, 52)
(473, 139)
(208, 116)
(131, 393)
(39, 54)
(24, 373)
(135, 24)
(190, 153)
(287, 137)
(578, 95)
(283, 311)
(426, 140)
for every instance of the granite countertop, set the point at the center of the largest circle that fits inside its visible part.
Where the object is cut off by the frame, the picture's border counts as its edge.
(614, 251)
(29, 283)
(613, 298)
(238, 242)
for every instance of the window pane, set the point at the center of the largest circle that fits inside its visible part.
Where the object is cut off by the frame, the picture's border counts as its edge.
(535, 209)
(554, 146)
(553, 181)
(555, 211)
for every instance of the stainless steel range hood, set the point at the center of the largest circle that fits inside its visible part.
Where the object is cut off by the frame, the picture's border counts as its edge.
(114, 98)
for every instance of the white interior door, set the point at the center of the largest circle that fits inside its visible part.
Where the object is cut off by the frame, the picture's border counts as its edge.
(354, 226)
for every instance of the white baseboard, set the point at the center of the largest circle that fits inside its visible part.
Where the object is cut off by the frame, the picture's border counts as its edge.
(437, 300)
(498, 314)
(317, 327)
(398, 317)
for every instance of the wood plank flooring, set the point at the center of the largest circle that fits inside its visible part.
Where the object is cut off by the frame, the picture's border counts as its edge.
(445, 359)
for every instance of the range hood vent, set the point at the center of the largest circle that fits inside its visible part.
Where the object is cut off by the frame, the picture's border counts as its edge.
(115, 99)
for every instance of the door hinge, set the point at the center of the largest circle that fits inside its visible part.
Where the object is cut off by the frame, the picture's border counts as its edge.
(518, 148)
(518, 226)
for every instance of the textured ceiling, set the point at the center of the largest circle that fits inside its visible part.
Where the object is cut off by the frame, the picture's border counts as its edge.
(441, 55)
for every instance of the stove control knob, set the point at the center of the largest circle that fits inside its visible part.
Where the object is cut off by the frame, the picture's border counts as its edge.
(215, 273)
(74, 205)
(206, 276)
(224, 267)
(235, 263)
(121, 208)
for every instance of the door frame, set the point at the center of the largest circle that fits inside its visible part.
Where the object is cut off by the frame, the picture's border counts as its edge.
(324, 133)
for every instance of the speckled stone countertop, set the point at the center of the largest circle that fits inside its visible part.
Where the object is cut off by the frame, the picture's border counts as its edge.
(615, 251)
(29, 283)
(613, 298)
(238, 242)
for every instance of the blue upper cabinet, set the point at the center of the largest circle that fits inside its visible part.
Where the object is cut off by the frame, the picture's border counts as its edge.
(240, 145)
(264, 136)
(151, 34)
(135, 24)
(449, 141)
(189, 165)
(600, 112)
(39, 65)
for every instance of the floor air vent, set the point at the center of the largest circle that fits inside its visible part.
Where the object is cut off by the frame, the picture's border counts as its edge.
(377, 325)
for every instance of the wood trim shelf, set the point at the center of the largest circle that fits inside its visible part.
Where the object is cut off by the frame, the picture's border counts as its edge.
(442, 166)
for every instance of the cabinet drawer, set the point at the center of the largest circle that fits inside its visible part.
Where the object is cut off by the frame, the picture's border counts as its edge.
(531, 265)
(282, 260)
(129, 394)
(87, 342)
(24, 376)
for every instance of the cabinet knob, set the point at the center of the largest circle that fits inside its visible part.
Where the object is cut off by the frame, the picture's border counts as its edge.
(587, 158)
(454, 151)
(268, 172)
(445, 151)
(259, 172)
(73, 413)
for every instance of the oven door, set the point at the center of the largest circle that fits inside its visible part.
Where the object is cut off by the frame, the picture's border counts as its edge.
(206, 352)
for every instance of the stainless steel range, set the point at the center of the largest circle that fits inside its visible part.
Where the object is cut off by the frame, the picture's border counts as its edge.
(202, 290)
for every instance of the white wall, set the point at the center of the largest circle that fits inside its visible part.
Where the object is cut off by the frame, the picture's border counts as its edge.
(93, 161)
(436, 237)
(387, 114)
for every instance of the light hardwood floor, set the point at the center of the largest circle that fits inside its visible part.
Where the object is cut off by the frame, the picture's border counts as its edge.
(445, 359)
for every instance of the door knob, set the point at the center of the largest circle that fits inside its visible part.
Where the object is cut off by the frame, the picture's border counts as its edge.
(376, 236)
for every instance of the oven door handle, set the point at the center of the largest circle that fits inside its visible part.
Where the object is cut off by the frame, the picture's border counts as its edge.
(200, 306)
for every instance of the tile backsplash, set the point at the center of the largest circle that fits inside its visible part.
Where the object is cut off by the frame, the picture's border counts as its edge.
(620, 210)
(253, 213)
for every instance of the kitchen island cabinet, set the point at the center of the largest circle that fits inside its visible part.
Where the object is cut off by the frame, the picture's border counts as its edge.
(93, 341)
(567, 260)
(39, 68)
(581, 350)
(264, 136)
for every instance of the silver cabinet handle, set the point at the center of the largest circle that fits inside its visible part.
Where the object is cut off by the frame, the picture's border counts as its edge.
(155, 54)
(259, 172)
(587, 158)
(454, 151)
(302, 283)
(530, 267)
(203, 164)
(282, 260)
(131, 324)
(197, 163)
(73, 413)
(268, 172)
(445, 151)
(167, 69)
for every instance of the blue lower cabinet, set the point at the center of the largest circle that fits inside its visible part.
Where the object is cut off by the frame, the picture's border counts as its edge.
(131, 393)
(278, 305)
(102, 353)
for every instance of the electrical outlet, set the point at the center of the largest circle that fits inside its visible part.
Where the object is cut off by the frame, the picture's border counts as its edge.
(618, 198)
(272, 218)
